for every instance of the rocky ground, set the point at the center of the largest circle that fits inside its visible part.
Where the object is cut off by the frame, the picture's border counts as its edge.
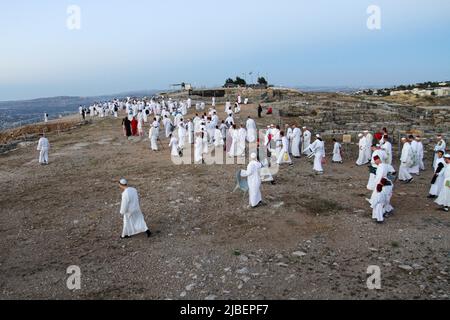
(314, 238)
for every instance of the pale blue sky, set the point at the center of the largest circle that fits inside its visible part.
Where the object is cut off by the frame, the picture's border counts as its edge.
(137, 44)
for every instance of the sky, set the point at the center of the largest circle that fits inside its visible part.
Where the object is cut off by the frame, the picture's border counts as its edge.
(144, 44)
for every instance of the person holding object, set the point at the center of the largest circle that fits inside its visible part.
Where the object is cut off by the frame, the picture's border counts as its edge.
(133, 219)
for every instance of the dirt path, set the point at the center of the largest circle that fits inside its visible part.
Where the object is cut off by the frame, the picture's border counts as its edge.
(207, 243)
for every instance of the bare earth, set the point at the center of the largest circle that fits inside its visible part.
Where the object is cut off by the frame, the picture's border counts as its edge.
(206, 242)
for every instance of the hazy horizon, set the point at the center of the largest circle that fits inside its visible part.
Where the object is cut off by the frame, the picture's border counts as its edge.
(123, 45)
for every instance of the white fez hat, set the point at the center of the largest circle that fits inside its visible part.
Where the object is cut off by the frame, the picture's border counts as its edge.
(123, 182)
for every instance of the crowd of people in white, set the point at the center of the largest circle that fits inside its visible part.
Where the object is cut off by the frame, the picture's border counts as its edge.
(207, 133)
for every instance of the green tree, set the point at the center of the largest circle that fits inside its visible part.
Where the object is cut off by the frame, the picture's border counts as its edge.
(240, 82)
(262, 81)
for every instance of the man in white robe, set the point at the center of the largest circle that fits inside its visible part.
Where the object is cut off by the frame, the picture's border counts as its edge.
(173, 144)
(154, 135)
(198, 148)
(420, 154)
(362, 144)
(167, 126)
(241, 142)
(306, 140)
(190, 129)
(296, 141)
(438, 177)
(283, 151)
(440, 145)
(369, 142)
(318, 149)
(253, 174)
(405, 162)
(337, 152)
(251, 130)
(444, 196)
(387, 147)
(45, 117)
(43, 148)
(377, 153)
(218, 138)
(181, 135)
(133, 219)
(415, 168)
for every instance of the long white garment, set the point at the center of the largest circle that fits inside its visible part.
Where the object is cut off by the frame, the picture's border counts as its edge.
(190, 132)
(283, 153)
(337, 152)
(241, 142)
(415, 167)
(371, 185)
(253, 174)
(436, 188)
(387, 147)
(181, 135)
(306, 141)
(154, 135)
(174, 145)
(444, 195)
(378, 204)
(440, 146)
(382, 172)
(198, 150)
(167, 126)
(406, 162)
(234, 133)
(296, 141)
(420, 155)
(251, 131)
(133, 219)
(218, 138)
(43, 147)
(318, 148)
(369, 142)
(362, 157)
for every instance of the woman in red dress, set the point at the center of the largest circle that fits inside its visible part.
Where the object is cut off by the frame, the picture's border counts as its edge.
(134, 127)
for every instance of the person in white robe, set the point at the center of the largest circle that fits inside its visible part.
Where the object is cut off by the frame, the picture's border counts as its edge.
(237, 107)
(239, 99)
(387, 147)
(45, 117)
(405, 162)
(133, 219)
(251, 130)
(438, 177)
(229, 121)
(318, 149)
(227, 106)
(369, 142)
(190, 131)
(181, 135)
(377, 152)
(362, 144)
(154, 135)
(43, 148)
(415, 168)
(296, 137)
(241, 142)
(198, 148)
(167, 126)
(337, 152)
(283, 150)
(173, 144)
(378, 204)
(141, 125)
(306, 140)
(213, 103)
(440, 145)
(444, 196)
(234, 135)
(253, 175)
(420, 153)
(218, 138)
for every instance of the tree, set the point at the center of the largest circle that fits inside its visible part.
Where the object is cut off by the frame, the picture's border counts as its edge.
(229, 81)
(262, 81)
(240, 82)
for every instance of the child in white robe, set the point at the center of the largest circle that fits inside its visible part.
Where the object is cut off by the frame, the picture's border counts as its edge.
(378, 204)
(337, 152)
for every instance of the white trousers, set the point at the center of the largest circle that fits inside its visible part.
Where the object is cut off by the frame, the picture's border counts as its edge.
(43, 156)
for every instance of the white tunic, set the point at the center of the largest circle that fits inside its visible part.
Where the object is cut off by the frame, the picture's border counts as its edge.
(406, 162)
(253, 174)
(251, 131)
(436, 188)
(444, 195)
(318, 148)
(306, 140)
(337, 152)
(296, 140)
(133, 220)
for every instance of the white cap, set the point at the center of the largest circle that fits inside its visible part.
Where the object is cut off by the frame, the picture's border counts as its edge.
(318, 135)
(304, 127)
(360, 135)
(253, 156)
(123, 182)
(447, 156)
(366, 131)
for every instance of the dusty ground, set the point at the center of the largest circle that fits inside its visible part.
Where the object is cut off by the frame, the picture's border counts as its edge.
(207, 243)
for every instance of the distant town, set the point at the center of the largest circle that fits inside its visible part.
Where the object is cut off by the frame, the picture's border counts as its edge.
(425, 89)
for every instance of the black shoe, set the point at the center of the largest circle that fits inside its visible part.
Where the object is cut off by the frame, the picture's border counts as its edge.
(430, 196)
(410, 180)
(126, 237)
(149, 234)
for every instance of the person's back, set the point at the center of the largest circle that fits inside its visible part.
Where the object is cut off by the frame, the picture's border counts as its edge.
(132, 198)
